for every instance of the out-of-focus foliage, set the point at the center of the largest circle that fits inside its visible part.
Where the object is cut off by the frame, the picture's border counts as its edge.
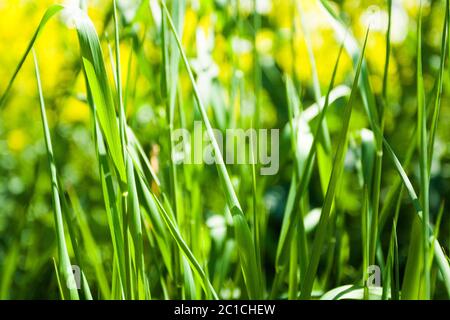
(218, 37)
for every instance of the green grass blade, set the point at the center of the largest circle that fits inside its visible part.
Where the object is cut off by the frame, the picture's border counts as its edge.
(352, 292)
(111, 206)
(440, 82)
(185, 249)
(243, 235)
(291, 215)
(9, 265)
(443, 264)
(58, 280)
(329, 197)
(90, 245)
(423, 156)
(51, 11)
(73, 236)
(136, 228)
(94, 67)
(374, 115)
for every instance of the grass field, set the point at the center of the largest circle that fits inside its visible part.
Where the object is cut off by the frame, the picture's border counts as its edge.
(212, 149)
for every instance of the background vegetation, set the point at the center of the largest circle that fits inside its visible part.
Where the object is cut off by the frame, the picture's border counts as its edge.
(86, 176)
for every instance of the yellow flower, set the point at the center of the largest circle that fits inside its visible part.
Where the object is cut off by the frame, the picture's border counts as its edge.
(206, 24)
(283, 56)
(246, 61)
(16, 140)
(74, 111)
(221, 57)
(281, 13)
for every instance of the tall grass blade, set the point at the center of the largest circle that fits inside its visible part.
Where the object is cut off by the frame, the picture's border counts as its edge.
(329, 197)
(51, 11)
(64, 265)
(246, 247)
(423, 156)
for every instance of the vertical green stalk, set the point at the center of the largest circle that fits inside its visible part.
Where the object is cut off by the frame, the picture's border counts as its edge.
(256, 124)
(256, 66)
(440, 82)
(376, 187)
(324, 152)
(169, 88)
(293, 215)
(338, 162)
(125, 200)
(423, 157)
(65, 268)
(246, 247)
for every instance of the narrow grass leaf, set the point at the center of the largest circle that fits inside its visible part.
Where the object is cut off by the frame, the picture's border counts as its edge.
(329, 197)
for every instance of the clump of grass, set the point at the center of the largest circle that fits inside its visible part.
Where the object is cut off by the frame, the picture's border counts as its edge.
(157, 227)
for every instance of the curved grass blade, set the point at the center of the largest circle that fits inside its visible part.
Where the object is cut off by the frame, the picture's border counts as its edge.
(246, 247)
(373, 114)
(423, 156)
(443, 264)
(70, 223)
(135, 225)
(90, 245)
(314, 110)
(352, 292)
(51, 11)
(353, 50)
(440, 81)
(291, 215)
(92, 59)
(64, 266)
(185, 249)
(58, 279)
(112, 210)
(329, 197)
(94, 67)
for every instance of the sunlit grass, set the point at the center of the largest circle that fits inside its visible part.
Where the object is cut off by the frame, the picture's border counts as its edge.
(155, 239)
